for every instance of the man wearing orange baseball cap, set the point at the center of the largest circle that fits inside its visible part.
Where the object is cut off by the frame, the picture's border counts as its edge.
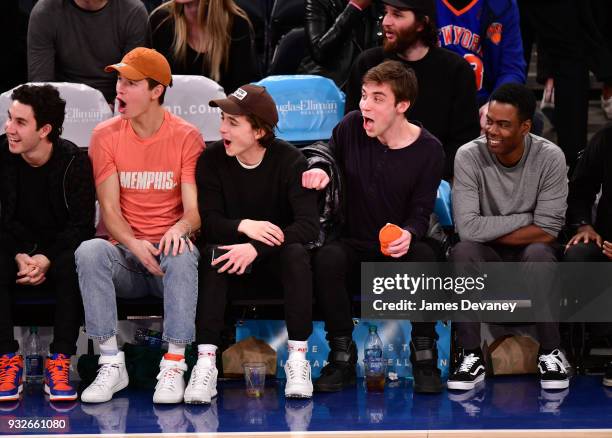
(144, 169)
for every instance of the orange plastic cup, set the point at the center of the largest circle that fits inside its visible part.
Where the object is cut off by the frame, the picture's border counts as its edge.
(388, 234)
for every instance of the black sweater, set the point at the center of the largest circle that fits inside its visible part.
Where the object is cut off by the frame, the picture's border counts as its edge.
(446, 101)
(593, 172)
(385, 185)
(72, 197)
(242, 64)
(228, 193)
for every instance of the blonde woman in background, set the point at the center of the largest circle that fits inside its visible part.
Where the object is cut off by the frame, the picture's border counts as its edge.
(213, 38)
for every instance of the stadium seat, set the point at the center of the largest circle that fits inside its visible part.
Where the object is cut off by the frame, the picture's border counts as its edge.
(188, 98)
(85, 108)
(443, 207)
(309, 106)
(289, 53)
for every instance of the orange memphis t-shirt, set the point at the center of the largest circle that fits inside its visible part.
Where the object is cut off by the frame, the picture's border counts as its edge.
(150, 170)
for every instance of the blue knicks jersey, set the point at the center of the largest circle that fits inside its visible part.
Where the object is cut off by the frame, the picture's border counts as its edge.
(460, 31)
(487, 35)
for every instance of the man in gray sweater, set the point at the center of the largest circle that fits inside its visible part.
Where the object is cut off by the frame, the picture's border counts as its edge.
(509, 201)
(73, 40)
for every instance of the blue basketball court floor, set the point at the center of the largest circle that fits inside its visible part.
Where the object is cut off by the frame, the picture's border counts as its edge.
(514, 404)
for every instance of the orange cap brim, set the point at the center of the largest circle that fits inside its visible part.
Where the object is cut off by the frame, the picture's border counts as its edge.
(125, 71)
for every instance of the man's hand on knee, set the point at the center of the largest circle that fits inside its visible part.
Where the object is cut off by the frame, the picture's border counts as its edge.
(585, 234)
(177, 238)
(146, 253)
(237, 259)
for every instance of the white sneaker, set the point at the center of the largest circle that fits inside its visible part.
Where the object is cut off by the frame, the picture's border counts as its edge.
(202, 387)
(299, 381)
(112, 377)
(170, 383)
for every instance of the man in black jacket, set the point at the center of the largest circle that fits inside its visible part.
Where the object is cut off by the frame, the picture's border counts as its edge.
(47, 198)
(252, 203)
(447, 105)
(337, 31)
(592, 241)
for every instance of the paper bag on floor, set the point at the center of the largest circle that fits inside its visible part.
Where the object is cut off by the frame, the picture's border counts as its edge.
(514, 355)
(248, 350)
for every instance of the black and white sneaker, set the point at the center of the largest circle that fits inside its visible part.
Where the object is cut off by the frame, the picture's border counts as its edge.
(553, 374)
(607, 380)
(469, 372)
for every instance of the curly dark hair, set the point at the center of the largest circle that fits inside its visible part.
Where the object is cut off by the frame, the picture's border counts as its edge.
(47, 105)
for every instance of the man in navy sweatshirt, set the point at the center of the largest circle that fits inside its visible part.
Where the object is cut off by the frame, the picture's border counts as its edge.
(392, 169)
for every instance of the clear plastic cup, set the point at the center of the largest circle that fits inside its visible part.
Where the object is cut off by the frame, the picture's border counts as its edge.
(375, 370)
(254, 378)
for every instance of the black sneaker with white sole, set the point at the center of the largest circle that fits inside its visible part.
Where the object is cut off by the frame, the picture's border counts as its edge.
(470, 371)
(553, 373)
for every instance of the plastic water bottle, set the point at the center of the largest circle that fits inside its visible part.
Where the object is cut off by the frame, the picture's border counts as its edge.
(34, 357)
(373, 348)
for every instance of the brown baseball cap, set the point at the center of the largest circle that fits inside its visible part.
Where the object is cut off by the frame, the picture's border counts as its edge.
(142, 63)
(249, 99)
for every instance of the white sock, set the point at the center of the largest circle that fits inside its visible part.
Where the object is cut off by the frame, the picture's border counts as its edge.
(209, 352)
(297, 350)
(176, 349)
(109, 347)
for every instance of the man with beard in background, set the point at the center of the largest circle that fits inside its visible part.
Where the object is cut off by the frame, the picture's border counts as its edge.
(446, 106)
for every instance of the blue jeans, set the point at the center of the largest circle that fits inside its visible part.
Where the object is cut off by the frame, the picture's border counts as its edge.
(107, 271)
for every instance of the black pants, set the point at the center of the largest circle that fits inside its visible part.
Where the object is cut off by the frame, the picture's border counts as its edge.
(291, 264)
(468, 333)
(582, 252)
(337, 262)
(557, 29)
(61, 280)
